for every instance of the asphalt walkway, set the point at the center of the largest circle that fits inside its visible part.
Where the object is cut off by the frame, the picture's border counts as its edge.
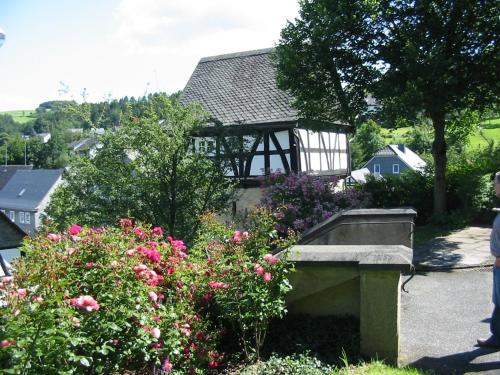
(448, 306)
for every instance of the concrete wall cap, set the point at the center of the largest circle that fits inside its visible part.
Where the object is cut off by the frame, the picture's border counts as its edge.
(375, 257)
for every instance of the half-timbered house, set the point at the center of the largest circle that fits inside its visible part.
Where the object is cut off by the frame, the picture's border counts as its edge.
(254, 124)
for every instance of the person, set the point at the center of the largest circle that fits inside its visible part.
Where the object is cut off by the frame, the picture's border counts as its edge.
(494, 339)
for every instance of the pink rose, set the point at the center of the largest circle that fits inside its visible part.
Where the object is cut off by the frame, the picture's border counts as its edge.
(130, 252)
(38, 299)
(70, 250)
(75, 321)
(157, 232)
(267, 277)
(140, 268)
(217, 285)
(21, 293)
(155, 332)
(7, 343)
(85, 302)
(270, 258)
(167, 366)
(54, 237)
(89, 264)
(113, 264)
(236, 237)
(125, 223)
(75, 229)
(153, 296)
(259, 270)
(140, 233)
(6, 279)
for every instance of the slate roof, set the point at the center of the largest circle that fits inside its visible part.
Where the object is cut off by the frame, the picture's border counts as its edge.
(7, 171)
(407, 156)
(36, 184)
(82, 144)
(240, 88)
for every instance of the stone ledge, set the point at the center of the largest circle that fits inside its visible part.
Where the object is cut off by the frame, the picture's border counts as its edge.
(374, 257)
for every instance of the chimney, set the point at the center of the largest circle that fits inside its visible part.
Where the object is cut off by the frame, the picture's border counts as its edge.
(401, 148)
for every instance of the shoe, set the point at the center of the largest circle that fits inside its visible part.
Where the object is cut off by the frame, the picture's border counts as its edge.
(490, 342)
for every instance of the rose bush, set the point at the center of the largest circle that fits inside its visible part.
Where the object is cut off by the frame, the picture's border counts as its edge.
(105, 300)
(114, 300)
(248, 283)
(300, 201)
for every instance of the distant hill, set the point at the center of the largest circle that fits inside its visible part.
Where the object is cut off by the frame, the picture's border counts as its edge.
(21, 116)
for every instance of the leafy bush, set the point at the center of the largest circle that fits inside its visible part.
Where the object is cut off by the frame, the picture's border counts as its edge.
(301, 364)
(251, 282)
(111, 300)
(299, 201)
(104, 300)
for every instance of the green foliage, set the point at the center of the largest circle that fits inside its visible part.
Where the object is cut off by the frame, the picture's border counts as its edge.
(368, 140)
(146, 169)
(300, 364)
(434, 58)
(101, 301)
(252, 282)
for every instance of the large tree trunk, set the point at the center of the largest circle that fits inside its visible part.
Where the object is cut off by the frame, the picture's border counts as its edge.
(439, 155)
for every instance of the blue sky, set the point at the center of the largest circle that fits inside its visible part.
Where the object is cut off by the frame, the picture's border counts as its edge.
(116, 48)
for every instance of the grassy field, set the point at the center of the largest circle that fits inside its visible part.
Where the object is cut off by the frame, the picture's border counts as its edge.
(488, 130)
(21, 116)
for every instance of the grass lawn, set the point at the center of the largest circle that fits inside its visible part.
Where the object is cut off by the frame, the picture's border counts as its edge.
(378, 368)
(488, 130)
(21, 116)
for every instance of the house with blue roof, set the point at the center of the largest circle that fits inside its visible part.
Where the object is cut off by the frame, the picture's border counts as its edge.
(26, 195)
(393, 160)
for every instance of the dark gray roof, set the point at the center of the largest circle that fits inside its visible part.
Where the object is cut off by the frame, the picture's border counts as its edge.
(240, 88)
(386, 151)
(82, 144)
(7, 171)
(36, 184)
(11, 235)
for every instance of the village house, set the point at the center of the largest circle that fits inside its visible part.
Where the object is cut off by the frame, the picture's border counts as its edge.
(254, 125)
(26, 195)
(11, 236)
(394, 159)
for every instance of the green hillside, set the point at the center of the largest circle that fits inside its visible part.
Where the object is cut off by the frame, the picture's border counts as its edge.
(488, 130)
(21, 116)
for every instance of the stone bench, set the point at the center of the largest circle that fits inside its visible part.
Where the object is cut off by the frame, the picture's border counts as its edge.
(359, 280)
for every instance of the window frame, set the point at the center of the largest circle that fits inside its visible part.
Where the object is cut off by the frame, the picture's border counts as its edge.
(393, 170)
(375, 172)
(21, 217)
(27, 217)
(12, 216)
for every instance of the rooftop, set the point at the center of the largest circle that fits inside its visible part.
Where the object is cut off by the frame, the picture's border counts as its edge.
(240, 88)
(27, 188)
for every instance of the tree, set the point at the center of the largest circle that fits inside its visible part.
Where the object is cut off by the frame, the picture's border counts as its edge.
(147, 170)
(368, 140)
(435, 57)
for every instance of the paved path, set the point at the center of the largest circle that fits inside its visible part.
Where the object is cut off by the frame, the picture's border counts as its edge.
(462, 248)
(442, 315)
(444, 312)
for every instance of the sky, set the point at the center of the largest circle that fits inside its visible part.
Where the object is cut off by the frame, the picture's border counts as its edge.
(56, 49)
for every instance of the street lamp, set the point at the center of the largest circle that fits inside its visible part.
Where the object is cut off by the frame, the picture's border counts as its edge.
(2, 37)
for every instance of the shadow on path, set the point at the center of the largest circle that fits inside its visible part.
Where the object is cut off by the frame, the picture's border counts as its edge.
(437, 253)
(459, 363)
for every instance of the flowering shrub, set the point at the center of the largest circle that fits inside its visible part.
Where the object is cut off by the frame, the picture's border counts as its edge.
(105, 300)
(112, 300)
(247, 283)
(300, 201)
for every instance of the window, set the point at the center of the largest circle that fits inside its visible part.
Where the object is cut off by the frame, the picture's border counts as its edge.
(12, 216)
(210, 146)
(376, 169)
(27, 217)
(21, 217)
(395, 168)
(201, 146)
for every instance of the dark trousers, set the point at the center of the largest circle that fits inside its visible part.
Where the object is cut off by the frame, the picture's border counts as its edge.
(495, 317)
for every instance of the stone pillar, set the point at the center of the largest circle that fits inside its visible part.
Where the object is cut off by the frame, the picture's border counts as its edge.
(380, 313)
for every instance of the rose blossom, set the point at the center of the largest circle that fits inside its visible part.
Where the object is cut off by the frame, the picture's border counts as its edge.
(21, 293)
(155, 332)
(267, 277)
(54, 237)
(7, 343)
(270, 258)
(236, 237)
(75, 229)
(38, 299)
(85, 302)
(157, 232)
(259, 270)
(217, 285)
(6, 279)
(130, 252)
(153, 296)
(167, 366)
